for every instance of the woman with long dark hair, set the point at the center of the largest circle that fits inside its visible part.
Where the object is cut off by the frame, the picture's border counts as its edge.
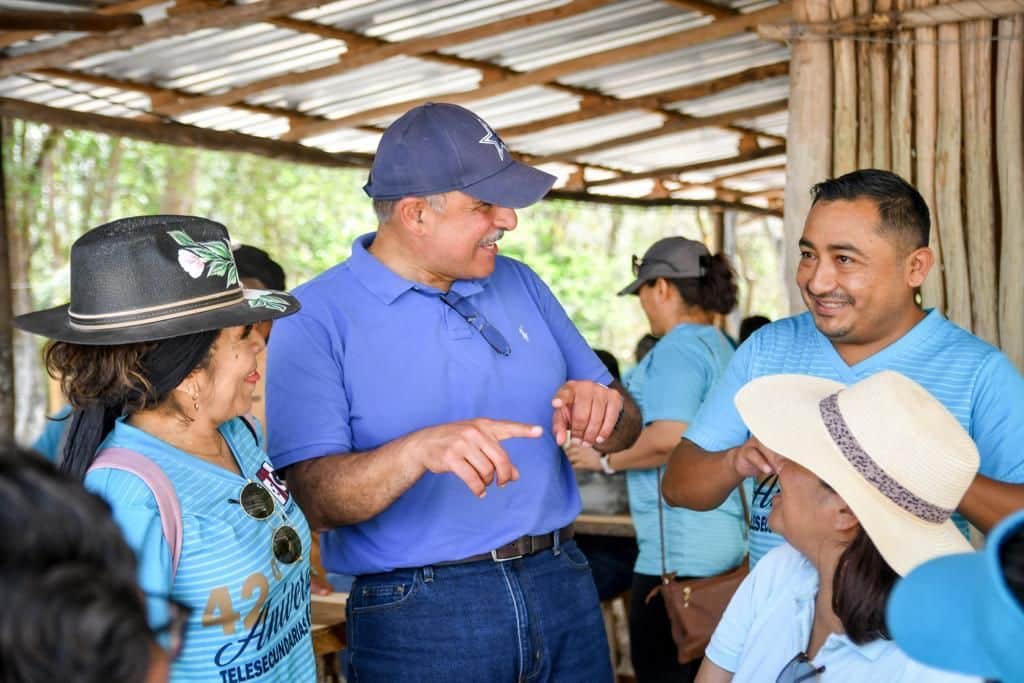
(157, 355)
(681, 288)
(869, 476)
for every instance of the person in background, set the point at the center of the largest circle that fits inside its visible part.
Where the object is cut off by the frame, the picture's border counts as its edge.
(681, 287)
(406, 401)
(611, 557)
(157, 353)
(863, 255)
(870, 475)
(750, 325)
(965, 612)
(73, 610)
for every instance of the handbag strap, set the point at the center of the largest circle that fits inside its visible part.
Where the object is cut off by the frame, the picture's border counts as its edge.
(665, 577)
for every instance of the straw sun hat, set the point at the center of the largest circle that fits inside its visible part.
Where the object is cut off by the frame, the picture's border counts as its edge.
(898, 458)
(150, 278)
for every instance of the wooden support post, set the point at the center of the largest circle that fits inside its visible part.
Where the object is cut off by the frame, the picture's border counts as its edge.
(947, 178)
(865, 109)
(925, 107)
(809, 133)
(879, 57)
(976, 58)
(6, 311)
(1009, 113)
(844, 121)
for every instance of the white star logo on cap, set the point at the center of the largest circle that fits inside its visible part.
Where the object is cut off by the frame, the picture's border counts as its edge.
(492, 139)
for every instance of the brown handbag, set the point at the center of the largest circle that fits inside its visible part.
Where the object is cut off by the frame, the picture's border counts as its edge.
(695, 606)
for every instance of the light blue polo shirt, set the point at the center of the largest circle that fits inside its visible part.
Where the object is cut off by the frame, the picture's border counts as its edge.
(768, 622)
(974, 380)
(670, 383)
(250, 617)
(372, 357)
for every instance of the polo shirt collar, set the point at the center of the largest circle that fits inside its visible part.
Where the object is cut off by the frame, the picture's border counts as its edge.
(388, 285)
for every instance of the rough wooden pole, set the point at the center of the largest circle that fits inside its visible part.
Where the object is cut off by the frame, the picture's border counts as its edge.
(976, 58)
(865, 109)
(1009, 116)
(878, 56)
(844, 120)
(809, 133)
(947, 178)
(902, 128)
(925, 106)
(6, 312)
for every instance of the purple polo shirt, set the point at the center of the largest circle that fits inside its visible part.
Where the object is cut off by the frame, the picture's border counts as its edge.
(372, 357)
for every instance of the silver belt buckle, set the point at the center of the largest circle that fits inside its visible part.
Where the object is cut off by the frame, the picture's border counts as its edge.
(494, 556)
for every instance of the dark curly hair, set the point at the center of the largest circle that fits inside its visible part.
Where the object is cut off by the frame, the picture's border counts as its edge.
(104, 383)
(716, 291)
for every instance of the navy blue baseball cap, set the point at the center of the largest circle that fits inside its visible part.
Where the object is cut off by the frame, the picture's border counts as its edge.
(436, 148)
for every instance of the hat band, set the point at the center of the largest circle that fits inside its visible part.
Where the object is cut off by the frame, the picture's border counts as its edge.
(136, 317)
(870, 470)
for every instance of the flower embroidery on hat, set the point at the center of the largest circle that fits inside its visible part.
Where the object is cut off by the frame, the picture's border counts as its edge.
(213, 257)
(261, 299)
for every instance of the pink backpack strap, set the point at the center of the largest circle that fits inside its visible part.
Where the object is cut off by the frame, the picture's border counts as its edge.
(148, 471)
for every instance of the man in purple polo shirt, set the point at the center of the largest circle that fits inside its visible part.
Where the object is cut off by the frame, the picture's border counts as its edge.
(418, 403)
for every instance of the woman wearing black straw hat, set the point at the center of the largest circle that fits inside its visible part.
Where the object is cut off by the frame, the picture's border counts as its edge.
(869, 476)
(157, 355)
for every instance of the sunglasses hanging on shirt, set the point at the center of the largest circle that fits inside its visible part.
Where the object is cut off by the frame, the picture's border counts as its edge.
(477, 321)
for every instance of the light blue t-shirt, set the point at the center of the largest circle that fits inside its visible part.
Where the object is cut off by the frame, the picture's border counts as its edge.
(670, 383)
(768, 622)
(250, 616)
(974, 380)
(49, 441)
(372, 357)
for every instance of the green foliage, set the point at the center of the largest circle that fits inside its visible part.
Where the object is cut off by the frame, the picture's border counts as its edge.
(307, 218)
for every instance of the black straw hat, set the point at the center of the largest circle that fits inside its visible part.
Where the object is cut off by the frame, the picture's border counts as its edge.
(154, 277)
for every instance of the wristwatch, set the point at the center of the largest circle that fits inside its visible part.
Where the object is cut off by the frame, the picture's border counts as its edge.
(606, 465)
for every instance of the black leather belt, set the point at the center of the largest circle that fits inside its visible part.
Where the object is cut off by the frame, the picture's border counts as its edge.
(521, 547)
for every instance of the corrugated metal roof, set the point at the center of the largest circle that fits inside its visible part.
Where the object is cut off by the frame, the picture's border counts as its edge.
(215, 60)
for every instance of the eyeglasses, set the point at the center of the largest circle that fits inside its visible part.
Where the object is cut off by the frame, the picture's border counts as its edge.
(257, 502)
(639, 263)
(171, 636)
(799, 669)
(468, 311)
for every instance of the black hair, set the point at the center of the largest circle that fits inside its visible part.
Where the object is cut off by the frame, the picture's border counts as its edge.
(255, 263)
(752, 324)
(104, 383)
(860, 590)
(715, 291)
(644, 346)
(901, 207)
(1011, 558)
(72, 609)
(610, 362)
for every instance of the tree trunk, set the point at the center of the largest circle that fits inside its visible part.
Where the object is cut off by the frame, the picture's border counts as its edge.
(7, 395)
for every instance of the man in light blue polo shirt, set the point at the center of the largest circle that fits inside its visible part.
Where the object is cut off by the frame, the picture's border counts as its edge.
(864, 255)
(406, 404)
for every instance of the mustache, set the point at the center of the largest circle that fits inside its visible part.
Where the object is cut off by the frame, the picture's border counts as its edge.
(493, 237)
(836, 295)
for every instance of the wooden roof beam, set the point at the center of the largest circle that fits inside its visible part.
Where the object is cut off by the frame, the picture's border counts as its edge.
(371, 50)
(594, 198)
(723, 119)
(41, 20)
(716, 30)
(180, 134)
(704, 7)
(123, 39)
(12, 37)
(595, 108)
(675, 171)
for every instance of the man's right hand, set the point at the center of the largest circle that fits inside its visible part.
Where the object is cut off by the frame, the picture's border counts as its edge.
(471, 450)
(753, 459)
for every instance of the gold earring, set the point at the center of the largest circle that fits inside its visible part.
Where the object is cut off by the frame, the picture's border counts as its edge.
(195, 401)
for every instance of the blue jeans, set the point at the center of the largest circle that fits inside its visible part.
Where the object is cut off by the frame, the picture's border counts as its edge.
(532, 619)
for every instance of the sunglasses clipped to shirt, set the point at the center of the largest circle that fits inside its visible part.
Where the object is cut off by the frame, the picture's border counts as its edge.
(799, 670)
(257, 502)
